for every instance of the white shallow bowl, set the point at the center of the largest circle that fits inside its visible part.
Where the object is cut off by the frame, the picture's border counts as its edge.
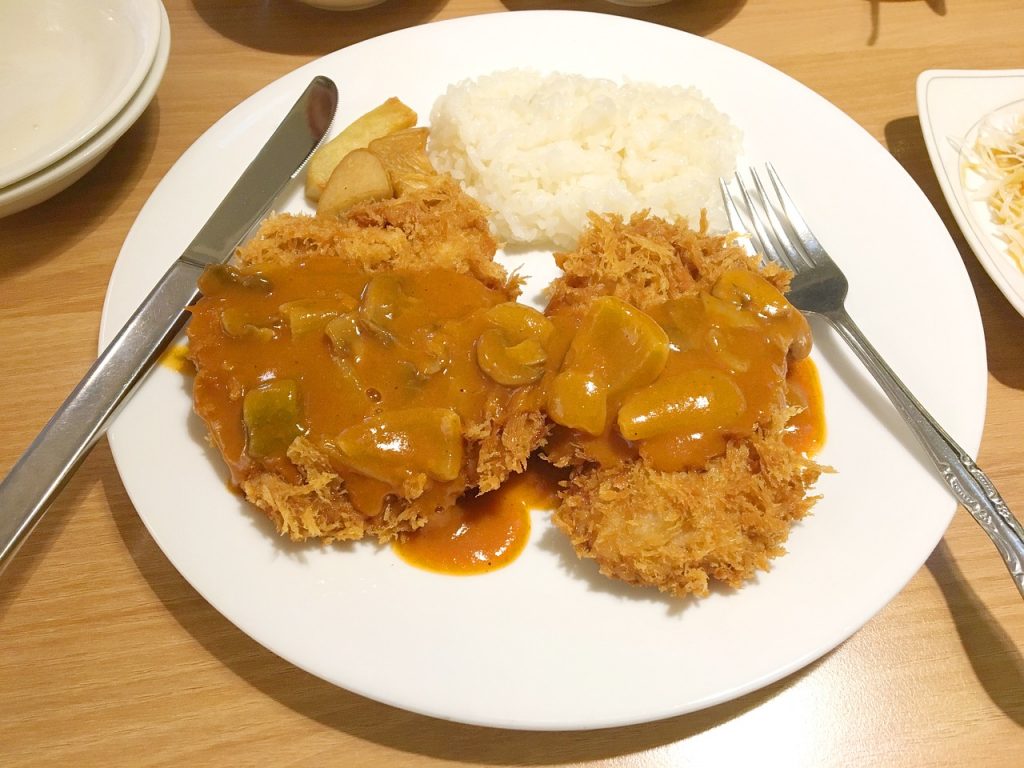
(69, 169)
(952, 104)
(67, 68)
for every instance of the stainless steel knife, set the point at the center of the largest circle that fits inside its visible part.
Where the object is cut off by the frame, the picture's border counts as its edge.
(41, 472)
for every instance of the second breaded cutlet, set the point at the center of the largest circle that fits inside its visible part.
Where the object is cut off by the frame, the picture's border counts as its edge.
(682, 530)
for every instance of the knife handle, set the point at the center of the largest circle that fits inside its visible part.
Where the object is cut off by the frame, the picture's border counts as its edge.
(45, 467)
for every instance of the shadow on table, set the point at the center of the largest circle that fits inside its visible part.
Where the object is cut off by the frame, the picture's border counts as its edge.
(1004, 327)
(286, 26)
(939, 6)
(993, 654)
(51, 227)
(369, 720)
(696, 16)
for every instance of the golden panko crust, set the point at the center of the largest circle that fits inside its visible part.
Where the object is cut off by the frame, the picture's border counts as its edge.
(648, 260)
(678, 530)
(437, 227)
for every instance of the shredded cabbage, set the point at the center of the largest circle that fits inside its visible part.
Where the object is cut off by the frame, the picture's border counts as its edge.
(998, 157)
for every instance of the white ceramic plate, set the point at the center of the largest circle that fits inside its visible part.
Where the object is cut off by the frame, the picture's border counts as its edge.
(547, 643)
(69, 169)
(67, 67)
(952, 104)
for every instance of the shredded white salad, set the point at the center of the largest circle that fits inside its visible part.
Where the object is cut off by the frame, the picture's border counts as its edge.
(998, 157)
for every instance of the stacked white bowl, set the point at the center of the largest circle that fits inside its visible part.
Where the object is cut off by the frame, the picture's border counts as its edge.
(75, 75)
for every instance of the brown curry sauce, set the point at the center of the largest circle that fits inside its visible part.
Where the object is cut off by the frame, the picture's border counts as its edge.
(377, 369)
(385, 371)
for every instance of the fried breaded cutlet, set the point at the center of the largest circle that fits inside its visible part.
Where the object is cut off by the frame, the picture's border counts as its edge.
(681, 505)
(336, 371)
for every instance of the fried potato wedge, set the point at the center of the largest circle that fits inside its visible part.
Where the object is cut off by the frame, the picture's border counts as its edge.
(358, 178)
(389, 117)
(404, 155)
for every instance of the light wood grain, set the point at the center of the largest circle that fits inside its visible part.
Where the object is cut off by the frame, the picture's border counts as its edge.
(108, 657)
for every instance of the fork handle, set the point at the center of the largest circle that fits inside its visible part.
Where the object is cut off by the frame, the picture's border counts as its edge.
(968, 483)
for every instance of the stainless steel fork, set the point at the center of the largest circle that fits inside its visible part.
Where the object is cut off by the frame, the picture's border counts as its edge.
(777, 230)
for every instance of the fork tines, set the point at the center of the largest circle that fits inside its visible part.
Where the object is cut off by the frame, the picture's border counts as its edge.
(754, 211)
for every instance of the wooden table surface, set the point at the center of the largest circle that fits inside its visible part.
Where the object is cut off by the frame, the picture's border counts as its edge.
(107, 656)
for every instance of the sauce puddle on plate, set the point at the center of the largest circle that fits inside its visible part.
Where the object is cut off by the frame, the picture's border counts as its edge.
(481, 534)
(176, 358)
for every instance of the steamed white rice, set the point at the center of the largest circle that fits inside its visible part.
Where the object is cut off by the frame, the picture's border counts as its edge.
(542, 150)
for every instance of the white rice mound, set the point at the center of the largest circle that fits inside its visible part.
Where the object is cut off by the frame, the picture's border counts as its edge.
(543, 150)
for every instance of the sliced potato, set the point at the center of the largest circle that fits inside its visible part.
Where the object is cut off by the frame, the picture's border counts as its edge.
(404, 155)
(389, 117)
(359, 177)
